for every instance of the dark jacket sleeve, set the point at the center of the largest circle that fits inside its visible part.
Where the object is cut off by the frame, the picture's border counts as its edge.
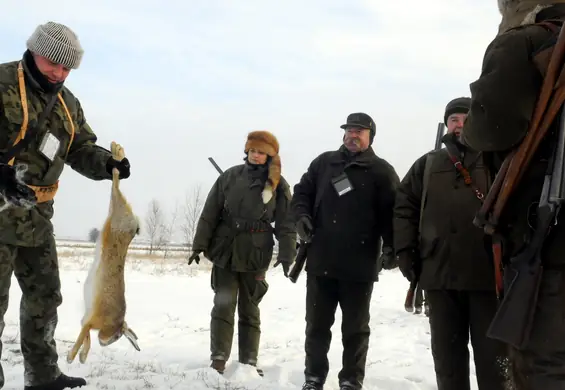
(210, 216)
(85, 156)
(504, 96)
(304, 194)
(285, 230)
(387, 193)
(407, 208)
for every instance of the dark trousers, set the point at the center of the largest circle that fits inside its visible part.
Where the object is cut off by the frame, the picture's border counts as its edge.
(453, 316)
(542, 364)
(322, 297)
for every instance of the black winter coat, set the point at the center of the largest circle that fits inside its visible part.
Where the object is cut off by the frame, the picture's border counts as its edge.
(348, 230)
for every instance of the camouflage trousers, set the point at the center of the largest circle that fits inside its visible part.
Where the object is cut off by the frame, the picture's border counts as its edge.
(243, 290)
(37, 272)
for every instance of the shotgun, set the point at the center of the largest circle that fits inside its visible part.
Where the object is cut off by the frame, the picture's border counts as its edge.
(513, 320)
(411, 293)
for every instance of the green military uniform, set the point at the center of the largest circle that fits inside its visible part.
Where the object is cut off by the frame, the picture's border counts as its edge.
(235, 233)
(27, 244)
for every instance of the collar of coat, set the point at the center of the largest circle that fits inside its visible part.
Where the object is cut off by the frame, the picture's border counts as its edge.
(516, 13)
(364, 158)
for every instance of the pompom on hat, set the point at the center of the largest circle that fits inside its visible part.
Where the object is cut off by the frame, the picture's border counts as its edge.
(58, 43)
(267, 143)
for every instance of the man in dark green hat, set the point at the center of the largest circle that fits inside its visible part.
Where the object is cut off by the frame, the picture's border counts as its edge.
(435, 240)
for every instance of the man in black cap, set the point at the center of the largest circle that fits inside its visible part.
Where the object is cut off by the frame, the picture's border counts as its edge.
(343, 208)
(435, 241)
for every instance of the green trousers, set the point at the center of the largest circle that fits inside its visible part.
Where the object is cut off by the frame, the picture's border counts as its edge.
(243, 290)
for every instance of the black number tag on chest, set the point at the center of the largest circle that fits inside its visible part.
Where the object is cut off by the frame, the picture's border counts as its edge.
(342, 185)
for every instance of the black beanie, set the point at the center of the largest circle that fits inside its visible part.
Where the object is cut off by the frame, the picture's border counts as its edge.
(456, 106)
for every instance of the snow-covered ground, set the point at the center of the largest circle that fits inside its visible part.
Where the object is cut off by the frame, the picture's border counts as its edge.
(169, 308)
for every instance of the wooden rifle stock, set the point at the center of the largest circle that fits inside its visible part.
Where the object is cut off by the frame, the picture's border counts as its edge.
(410, 294)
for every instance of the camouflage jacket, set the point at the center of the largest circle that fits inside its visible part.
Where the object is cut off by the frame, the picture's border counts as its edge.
(234, 230)
(19, 226)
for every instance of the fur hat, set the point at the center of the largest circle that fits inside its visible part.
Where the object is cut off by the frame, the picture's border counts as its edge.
(517, 13)
(266, 142)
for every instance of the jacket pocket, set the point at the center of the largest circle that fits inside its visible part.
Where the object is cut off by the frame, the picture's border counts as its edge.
(216, 248)
(254, 250)
(261, 288)
(428, 247)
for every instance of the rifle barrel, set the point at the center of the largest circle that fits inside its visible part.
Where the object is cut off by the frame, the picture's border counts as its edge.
(557, 189)
(439, 135)
(211, 159)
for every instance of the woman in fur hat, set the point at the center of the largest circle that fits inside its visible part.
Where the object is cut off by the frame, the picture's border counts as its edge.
(502, 103)
(235, 233)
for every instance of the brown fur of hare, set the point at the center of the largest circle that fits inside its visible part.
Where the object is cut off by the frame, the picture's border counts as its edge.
(104, 289)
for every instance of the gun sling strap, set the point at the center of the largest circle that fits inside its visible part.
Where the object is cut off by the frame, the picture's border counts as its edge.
(25, 136)
(549, 102)
(452, 153)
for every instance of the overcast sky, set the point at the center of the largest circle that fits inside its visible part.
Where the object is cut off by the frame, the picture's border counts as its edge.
(178, 81)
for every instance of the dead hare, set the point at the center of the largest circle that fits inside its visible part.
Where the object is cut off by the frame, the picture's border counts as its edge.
(104, 288)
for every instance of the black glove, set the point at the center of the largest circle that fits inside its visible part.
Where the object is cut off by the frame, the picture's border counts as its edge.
(15, 192)
(194, 257)
(304, 228)
(285, 265)
(387, 259)
(122, 166)
(409, 263)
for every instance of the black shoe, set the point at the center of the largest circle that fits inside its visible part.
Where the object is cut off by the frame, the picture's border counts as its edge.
(62, 382)
(311, 385)
(219, 365)
(346, 385)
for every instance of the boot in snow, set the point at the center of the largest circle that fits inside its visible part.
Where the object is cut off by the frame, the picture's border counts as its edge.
(62, 382)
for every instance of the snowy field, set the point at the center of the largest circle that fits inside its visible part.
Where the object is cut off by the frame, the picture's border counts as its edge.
(169, 305)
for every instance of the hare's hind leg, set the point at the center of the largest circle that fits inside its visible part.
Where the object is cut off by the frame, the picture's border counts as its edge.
(85, 348)
(80, 340)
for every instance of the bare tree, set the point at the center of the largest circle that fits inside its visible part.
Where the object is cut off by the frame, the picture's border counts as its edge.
(155, 226)
(170, 229)
(93, 234)
(193, 204)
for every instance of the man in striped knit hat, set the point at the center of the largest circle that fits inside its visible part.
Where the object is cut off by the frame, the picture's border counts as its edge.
(42, 128)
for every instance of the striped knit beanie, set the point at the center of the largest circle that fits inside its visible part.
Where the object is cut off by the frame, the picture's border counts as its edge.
(58, 43)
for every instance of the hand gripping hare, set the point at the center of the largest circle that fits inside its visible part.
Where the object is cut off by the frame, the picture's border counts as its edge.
(104, 289)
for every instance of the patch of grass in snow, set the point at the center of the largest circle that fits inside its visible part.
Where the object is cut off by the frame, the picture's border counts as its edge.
(157, 265)
(218, 383)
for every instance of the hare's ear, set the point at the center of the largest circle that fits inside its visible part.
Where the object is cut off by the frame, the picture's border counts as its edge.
(132, 337)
